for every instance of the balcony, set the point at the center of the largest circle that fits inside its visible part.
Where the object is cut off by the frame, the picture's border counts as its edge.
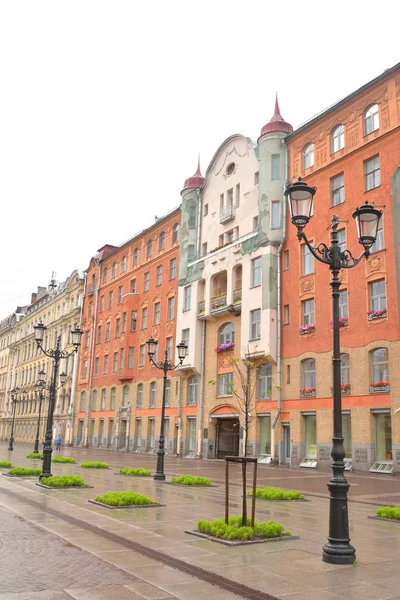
(218, 302)
(90, 290)
(201, 308)
(237, 296)
(227, 213)
(382, 387)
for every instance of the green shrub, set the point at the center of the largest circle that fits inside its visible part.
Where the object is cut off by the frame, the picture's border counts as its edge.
(5, 464)
(137, 472)
(34, 455)
(63, 459)
(191, 480)
(269, 493)
(63, 481)
(236, 531)
(95, 465)
(389, 512)
(124, 499)
(24, 471)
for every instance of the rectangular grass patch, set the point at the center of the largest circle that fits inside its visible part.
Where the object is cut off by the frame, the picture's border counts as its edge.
(128, 507)
(212, 538)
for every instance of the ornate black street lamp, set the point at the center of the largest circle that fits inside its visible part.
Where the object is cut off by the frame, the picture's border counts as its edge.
(14, 400)
(41, 387)
(338, 549)
(164, 366)
(56, 354)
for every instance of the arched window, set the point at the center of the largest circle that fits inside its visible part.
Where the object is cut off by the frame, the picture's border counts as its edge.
(337, 138)
(123, 264)
(371, 119)
(103, 399)
(175, 233)
(94, 399)
(227, 334)
(192, 389)
(83, 401)
(308, 156)
(114, 270)
(161, 241)
(139, 397)
(308, 373)
(125, 395)
(168, 393)
(345, 369)
(149, 248)
(379, 366)
(113, 398)
(264, 382)
(153, 394)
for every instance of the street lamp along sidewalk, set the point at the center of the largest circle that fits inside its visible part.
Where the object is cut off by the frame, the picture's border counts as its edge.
(40, 388)
(56, 354)
(164, 366)
(338, 549)
(14, 399)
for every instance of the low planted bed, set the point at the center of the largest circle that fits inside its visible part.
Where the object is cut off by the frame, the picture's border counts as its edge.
(63, 481)
(191, 480)
(95, 465)
(136, 472)
(388, 513)
(23, 472)
(5, 464)
(63, 459)
(36, 455)
(124, 500)
(269, 493)
(235, 534)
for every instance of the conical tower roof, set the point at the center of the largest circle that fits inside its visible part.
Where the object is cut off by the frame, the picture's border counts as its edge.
(277, 123)
(195, 181)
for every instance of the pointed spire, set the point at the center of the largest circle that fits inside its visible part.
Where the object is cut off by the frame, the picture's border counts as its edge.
(277, 123)
(277, 112)
(196, 180)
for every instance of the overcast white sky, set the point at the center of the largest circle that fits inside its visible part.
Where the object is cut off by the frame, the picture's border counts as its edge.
(104, 107)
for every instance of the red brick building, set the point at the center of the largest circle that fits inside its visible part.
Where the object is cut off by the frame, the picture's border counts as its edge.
(130, 296)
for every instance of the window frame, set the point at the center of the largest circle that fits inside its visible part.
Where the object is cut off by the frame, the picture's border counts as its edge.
(337, 134)
(308, 156)
(372, 119)
(256, 324)
(372, 175)
(264, 381)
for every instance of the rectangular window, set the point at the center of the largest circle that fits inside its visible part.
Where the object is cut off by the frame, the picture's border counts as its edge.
(229, 199)
(229, 236)
(286, 314)
(96, 366)
(205, 213)
(187, 295)
(204, 249)
(275, 166)
(342, 239)
(275, 215)
(122, 361)
(133, 320)
(307, 260)
(379, 244)
(191, 252)
(90, 310)
(255, 324)
(110, 299)
(124, 322)
(225, 384)
(123, 264)
(157, 313)
(256, 272)
(343, 306)
(307, 312)
(105, 367)
(118, 328)
(221, 240)
(221, 202)
(144, 318)
(255, 223)
(120, 291)
(171, 309)
(142, 355)
(286, 260)
(172, 268)
(256, 178)
(99, 332)
(372, 173)
(185, 336)
(237, 195)
(105, 275)
(159, 275)
(87, 339)
(103, 400)
(131, 357)
(115, 363)
(337, 190)
(108, 331)
(146, 284)
(169, 348)
(192, 217)
(101, 303)
(135, 257)
(288, 374)
(377, 295)
(133, 286)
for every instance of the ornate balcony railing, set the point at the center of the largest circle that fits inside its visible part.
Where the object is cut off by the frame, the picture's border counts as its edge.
(201, 309)
(237, 296)
(218, 302)
(227, 213)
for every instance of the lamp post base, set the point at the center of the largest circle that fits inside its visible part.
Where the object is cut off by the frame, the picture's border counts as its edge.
(338, 550)
(159, 477)
(10, 448)
(338, 554)
(36, 448)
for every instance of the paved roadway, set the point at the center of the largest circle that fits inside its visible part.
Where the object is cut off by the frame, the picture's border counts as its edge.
(54, 545)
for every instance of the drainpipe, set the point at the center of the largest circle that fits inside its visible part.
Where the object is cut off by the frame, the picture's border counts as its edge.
(279, 323)
(202, 368)
(75, 374)
(91, 360)
(198, 245)
(178, 441)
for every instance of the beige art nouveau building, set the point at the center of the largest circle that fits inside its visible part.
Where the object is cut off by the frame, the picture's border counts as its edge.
(59, 309)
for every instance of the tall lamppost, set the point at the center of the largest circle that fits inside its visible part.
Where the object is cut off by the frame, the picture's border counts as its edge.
(14, 400)
(338, 549)
(164, 366)
(41, 387)
(56, 354)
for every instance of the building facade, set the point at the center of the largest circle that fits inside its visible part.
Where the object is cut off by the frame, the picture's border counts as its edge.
(58, 307)
(231, 236)
(351, 153)
(131, 296)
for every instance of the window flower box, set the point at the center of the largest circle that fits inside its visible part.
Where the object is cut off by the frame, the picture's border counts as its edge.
(380, 387)
(345, 388)
(225, 347)
(307, 393)
(304, 329)
(343, 322)
(237, 296)
(376, 314)
(218, 302)
(201, 308)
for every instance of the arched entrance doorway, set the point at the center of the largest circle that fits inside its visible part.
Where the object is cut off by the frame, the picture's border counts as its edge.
(227, 431)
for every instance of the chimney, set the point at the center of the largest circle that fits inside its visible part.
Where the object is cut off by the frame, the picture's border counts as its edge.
(41, 291)
(33, 297)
